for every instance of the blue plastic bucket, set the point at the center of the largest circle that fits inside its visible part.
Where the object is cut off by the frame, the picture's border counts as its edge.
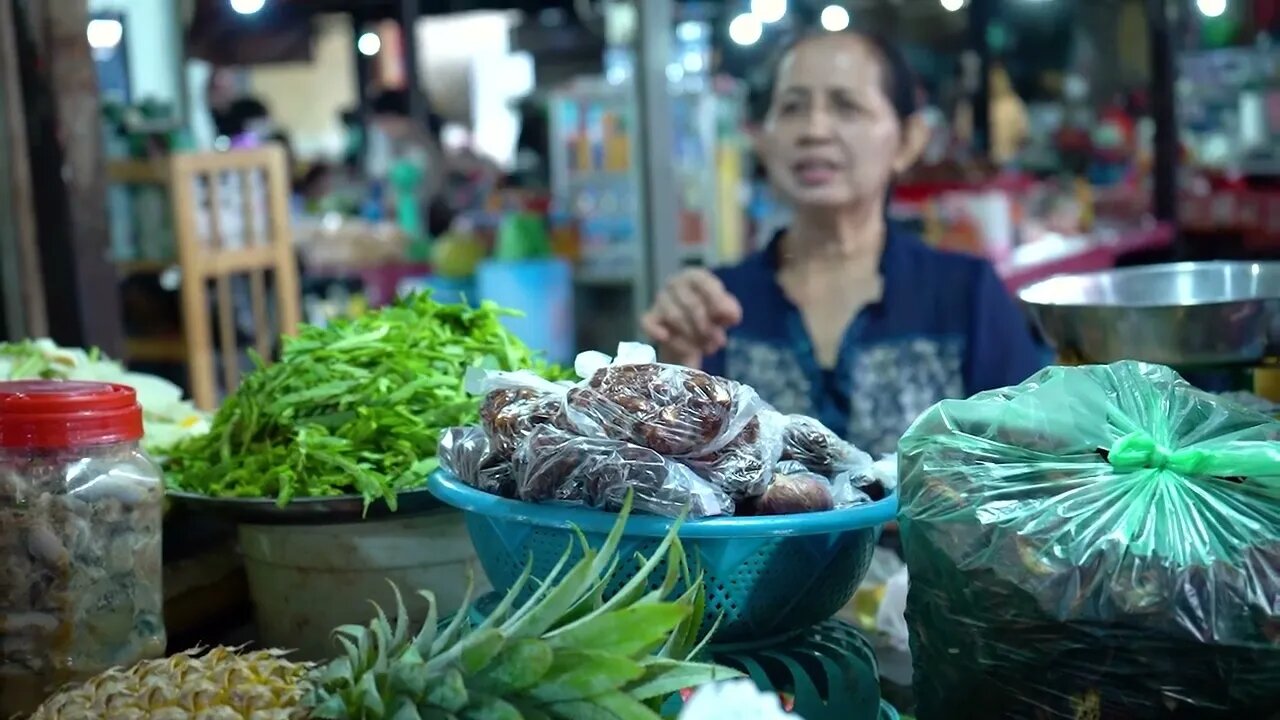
(543, 291)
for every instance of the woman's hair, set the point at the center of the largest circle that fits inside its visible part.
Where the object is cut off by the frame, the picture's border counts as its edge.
(899, 80)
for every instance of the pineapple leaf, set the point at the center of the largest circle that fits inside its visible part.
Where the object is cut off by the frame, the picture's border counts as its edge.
(333, 708)
(522, 664)
(402, 618)
(698, 649)
(609, 550)
(585, 674)
(508, 601)
(682, 641)
(335, 670)
(591, 600)
(625, 707)
(544, 587)
(490, 708)
(449, 692)
(671, 579)
(369, 697)
(631, 592)
(353, 653)
(664, 677)
(362, 652)
(451, 633)
(563, 596)
(480, 649)
(382, 639)
(613, 706)
(407, 678)
(531, 712)
(631, 631)
(405, 710)
(427, 633)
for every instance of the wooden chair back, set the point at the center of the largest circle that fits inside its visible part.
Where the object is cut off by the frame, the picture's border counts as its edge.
(231, 217)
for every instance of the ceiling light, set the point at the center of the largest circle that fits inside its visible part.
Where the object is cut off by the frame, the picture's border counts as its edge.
(104, 34)
(952, 5)
(745, 29)
(769, 11)
(1211, 8)
(834, 18)
(369, 44)
(247, 7)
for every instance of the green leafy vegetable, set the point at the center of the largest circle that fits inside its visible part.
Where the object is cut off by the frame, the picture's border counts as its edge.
(356, 407)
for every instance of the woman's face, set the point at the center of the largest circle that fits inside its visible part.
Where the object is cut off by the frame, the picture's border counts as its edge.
(832, 137)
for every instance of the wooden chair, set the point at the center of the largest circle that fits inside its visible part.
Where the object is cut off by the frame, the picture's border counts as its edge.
(231, 217)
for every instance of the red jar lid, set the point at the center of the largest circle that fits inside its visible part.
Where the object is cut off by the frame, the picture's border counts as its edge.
(67, 414)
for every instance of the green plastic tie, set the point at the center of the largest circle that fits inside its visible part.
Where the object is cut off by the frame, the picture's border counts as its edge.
(1139, 451)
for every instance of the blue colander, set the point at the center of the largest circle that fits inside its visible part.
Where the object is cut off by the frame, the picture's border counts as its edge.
(766, 577)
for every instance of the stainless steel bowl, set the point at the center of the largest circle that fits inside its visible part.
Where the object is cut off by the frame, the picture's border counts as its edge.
(1182, 314)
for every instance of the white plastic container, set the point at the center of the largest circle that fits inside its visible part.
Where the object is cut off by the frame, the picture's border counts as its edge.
(306, 580)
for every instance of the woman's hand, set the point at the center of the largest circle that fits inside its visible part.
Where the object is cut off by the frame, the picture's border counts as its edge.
(691, 317)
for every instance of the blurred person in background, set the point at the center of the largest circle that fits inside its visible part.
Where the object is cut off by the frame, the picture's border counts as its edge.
(396, 137)
(843, 316)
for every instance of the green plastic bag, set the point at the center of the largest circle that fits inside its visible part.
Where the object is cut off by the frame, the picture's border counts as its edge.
(1099, 542)
(522, 236)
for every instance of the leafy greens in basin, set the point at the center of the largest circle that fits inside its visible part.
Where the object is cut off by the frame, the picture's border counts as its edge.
(356, 407)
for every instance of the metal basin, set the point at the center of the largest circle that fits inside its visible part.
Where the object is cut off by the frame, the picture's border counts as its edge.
(1182, 314)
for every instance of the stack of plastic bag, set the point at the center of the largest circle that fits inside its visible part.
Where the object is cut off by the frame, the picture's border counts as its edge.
(1099, 542)
(679, 438)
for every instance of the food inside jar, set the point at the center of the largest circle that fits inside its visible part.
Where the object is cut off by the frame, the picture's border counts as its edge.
(80, 564)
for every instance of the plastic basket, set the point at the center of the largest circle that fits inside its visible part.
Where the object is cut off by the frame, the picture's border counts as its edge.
(830, 672)
(765, 576)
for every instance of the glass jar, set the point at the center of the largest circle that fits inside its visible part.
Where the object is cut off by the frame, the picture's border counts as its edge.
(81, 508)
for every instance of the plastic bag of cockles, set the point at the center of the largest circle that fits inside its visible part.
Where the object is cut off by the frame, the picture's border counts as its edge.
(514, 404)
(808, 442)
(466, 452)
(720, 428)
(555, 465)
(873, 481)
(1100, 542)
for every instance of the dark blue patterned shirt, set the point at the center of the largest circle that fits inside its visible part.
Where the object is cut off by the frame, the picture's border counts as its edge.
(945, 328)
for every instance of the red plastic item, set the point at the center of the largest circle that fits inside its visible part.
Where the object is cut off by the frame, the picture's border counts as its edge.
(57, 414)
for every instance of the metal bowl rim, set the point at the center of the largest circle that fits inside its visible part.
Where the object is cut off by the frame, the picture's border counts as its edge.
(1273, 265)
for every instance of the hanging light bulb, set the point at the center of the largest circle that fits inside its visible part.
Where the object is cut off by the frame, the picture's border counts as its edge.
(745, 29)
(769, 11)
(369, 44)
(834, 18)
(104, 33)
(1211, 8)
(248, 7)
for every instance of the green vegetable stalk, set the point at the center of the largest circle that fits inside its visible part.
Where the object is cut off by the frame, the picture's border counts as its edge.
(356, 407)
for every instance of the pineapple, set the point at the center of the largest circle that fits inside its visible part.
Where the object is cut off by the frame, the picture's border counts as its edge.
(565, 652)
(214, 685)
